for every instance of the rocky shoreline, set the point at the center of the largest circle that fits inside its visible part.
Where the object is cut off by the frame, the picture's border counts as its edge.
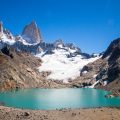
(7, 113)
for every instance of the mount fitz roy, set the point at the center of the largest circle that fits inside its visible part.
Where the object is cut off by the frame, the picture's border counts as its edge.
(31, 33)
(27, 61)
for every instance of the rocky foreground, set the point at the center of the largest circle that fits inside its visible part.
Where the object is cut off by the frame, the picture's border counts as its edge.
(78, 114)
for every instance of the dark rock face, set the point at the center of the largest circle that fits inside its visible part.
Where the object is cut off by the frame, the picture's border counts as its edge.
(113, 48)
(31, 33)
(58, 42)
(102, 75)
(87, 56)
(47, 46)
(111, 72)
(19, 46)
(72, 46)
(113, 52)
(85, 68)
(6, 50)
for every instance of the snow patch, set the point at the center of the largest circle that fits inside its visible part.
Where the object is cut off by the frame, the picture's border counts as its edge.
(105, 83)
(93, 85)
(94, 76)
(7, 41)
(84, 72)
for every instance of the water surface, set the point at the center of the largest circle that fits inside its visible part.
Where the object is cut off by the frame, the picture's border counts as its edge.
(49, 99)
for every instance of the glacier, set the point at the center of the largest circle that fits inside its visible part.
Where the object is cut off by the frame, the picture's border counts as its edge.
(61, 66)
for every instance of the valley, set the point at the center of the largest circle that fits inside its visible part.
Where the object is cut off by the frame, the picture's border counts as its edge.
(29, 63)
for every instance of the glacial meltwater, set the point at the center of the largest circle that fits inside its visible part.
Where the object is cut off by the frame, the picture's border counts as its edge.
(50, 99)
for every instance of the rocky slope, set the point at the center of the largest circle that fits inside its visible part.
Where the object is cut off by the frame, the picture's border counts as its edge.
(105, 72)
(19, 70)
(112, 71)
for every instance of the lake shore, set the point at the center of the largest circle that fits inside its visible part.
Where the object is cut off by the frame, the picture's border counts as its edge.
(7, 113)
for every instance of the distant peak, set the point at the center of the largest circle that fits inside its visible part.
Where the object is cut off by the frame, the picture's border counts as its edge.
(1, 28)
(31, 33)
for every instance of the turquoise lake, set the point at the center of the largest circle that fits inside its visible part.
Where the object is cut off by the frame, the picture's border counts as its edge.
(50, 99)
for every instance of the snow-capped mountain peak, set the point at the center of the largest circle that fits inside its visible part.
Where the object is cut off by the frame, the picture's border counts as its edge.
(6, 36)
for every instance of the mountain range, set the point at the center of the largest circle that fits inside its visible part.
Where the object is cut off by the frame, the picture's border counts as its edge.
(26, 60)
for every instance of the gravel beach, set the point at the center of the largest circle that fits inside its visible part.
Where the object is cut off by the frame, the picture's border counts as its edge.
(7, 113)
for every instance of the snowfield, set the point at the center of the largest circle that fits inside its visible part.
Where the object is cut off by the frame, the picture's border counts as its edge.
(62, 67)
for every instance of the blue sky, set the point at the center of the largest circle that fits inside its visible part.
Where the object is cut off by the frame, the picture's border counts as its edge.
(90, 24)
